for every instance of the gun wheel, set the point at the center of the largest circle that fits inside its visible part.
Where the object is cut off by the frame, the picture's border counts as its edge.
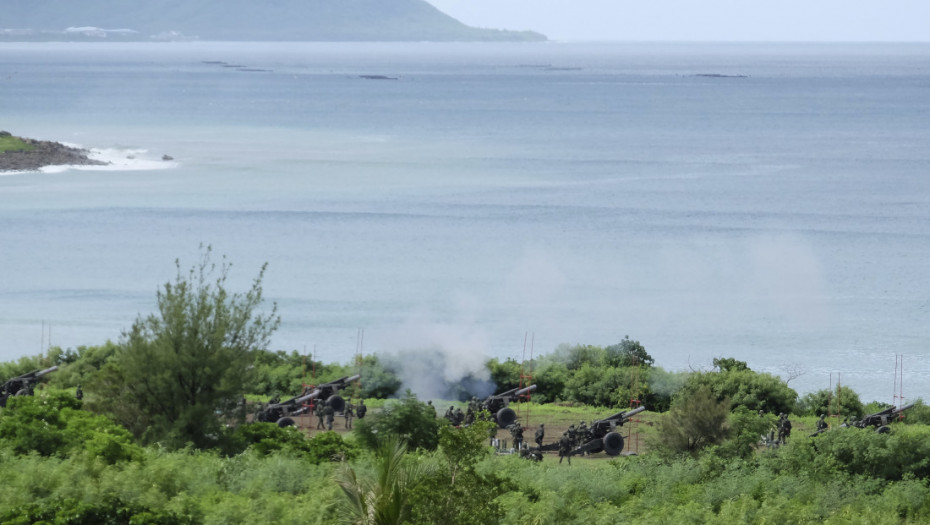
(336, 401)
(613, 444)
(286, 422)
(506, 417)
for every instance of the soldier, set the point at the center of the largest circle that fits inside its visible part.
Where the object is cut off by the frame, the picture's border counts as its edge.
(348, 413)
(583, 433)
(571, 435)
(784, 428)
(458, 417)
(469, 416)
(361, 409)
(318, 410)
(79, 394)
(540, 435)
(516, 431)
(430, 404)
(473, 404)
(330, 416)
(450, 415)
(821, 424)
(565, 448)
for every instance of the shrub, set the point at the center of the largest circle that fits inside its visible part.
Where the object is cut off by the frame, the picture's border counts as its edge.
(409, 419)
(694, 422)
(743, 387)
(266, 438)
(53, 423)
(843, 401)
(74, 512)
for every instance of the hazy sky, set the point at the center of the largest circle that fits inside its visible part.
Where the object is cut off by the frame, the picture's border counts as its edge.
(704, 20)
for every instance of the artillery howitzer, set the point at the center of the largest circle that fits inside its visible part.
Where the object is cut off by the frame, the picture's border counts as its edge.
(22, 385)
(603, 435)
(281, 412)
(880, 420)
(497, 405)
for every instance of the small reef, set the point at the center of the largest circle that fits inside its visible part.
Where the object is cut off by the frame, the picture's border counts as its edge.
(24, 154)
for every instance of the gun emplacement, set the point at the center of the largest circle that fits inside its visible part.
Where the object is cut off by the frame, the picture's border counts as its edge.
(881, 420)
(497, 405)
(22, 385)
(603, 435)
(281, 412)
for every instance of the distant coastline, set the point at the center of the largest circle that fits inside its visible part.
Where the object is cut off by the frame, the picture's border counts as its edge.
(219, 20)
(38, 154)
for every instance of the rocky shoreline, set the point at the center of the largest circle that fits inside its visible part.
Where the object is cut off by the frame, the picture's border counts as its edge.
(45, 153)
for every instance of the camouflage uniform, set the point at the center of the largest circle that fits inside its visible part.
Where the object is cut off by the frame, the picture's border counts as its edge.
(565, 448)
(348, 415)
(318, 409)
(821, 424)
(330, 415)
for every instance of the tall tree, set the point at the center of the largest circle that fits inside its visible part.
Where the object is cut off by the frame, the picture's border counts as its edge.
(179, 375)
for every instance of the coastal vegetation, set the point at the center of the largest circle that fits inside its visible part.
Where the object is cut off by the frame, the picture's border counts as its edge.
(24, 154)
(10, 143)
(160, 436)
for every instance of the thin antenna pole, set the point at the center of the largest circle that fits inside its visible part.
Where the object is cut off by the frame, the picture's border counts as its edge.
(898, 396)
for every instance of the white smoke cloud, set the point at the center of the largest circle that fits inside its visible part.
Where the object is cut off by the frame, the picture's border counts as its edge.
(430, 357)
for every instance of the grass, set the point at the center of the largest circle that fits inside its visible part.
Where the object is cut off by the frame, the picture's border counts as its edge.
(11, 143)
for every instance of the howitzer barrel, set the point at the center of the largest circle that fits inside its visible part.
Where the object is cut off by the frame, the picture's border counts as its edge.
(502, 395)
(624, 415)
(303, 399)
(524, 391)
(51, 369)
(345, 380)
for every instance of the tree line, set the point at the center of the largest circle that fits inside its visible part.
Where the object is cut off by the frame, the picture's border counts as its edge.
(160, 438)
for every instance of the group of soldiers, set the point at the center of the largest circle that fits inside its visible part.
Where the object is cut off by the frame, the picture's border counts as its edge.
(458, 418)
(570, 439)
(326, 415)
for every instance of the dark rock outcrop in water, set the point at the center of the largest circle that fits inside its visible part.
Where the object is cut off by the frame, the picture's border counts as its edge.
(45, 153)
(240, 20)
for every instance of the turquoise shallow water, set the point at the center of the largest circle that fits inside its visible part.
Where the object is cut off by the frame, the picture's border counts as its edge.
(768, 202)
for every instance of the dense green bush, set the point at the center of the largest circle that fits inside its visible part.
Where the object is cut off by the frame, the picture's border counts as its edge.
(455, 492)
(53, 423)
(78, 367)
(744, 387)
(902, 454)
(408, 418)
(107, 511)
(266, 438)
(843, 401)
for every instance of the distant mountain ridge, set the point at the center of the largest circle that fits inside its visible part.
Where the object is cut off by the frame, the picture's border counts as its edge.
(240, 20)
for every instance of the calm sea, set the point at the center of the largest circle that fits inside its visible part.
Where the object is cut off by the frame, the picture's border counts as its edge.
(765, 202)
